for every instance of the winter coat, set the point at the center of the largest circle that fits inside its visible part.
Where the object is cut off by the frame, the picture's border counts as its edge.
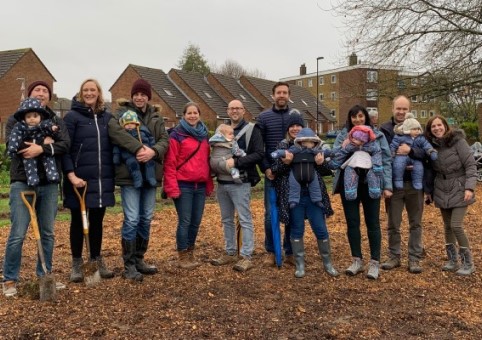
(282, 186)
(221, 151)
(56, 149)
(196, 170)
(455, 171)
(273, 124)
(153, 120)
(386, 160)
(254, 153)
(89, 157)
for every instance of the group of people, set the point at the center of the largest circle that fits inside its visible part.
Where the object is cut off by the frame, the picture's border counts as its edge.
(95, 150)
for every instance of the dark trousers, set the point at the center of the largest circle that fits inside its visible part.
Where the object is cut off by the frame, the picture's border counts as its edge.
(371, 211)
(95, 218)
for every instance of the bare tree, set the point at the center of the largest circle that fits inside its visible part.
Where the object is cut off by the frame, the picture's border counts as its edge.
(234, 69)
(432, 37)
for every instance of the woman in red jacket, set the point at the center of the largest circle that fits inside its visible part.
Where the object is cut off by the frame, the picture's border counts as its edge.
(187, 179)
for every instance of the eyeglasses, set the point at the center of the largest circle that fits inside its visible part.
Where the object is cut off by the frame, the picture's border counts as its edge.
(235, 108)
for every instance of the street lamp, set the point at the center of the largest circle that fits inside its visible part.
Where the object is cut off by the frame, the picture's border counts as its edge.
(317, 97)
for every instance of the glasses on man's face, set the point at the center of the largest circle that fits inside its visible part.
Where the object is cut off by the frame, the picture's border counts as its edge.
(235, 108)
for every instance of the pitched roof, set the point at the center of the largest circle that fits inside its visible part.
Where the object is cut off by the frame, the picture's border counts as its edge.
(164, 87)
(9, 58)
(201, 87)
(239, 92)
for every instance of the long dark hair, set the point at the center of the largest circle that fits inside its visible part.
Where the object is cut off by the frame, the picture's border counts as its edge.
(353, 112)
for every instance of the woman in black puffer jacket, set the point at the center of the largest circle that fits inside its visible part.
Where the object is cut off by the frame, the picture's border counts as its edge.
(90, 163)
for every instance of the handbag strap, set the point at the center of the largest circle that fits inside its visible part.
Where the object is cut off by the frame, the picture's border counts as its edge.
(189, 157)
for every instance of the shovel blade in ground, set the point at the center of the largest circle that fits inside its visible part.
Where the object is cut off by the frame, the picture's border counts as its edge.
(48, 292)
(275, 228)
(91, 273)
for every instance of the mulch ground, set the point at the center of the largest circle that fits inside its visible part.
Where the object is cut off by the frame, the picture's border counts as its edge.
(264, 303)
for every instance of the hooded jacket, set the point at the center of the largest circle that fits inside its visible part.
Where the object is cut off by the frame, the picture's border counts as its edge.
(153, 120)
(89, 157)
(455, 170)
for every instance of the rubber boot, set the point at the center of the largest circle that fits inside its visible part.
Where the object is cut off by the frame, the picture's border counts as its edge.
(299, 255)
(467, 267)
(141, 266)
(129, 257)
(185, 260)
(105, 273)
(453, 258)
(325, 253)
(77, 275)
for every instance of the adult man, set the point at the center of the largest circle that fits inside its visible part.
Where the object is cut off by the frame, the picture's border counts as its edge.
(138, 203)
(46, 193)
(273, 124)
(407, 197)
(233, 196)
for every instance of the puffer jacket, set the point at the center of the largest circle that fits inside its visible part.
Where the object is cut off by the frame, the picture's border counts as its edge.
(153, 120)
(56, 149)
(221, 151)
(195, 170)
(90, 156)
(386, 159)
(455, 171)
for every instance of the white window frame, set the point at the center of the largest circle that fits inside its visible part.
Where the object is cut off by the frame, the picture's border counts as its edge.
(321, 81)
(431, 113)
(321, 97)
(372, 95)
(372, 76)
(310, 82)
(423, 113)
(333, 78)
(207, 94)
(413, 99)
(333, 96)
(299, 82)
(333, 112)
(414, 112)
(168, 92)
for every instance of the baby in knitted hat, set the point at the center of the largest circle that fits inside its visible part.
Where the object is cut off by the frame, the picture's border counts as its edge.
(410, 133)
(140, 172)
(225, 146)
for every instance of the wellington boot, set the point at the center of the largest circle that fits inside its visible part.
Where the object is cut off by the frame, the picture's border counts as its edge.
(325, 253)
(299, 256)
(77, 275)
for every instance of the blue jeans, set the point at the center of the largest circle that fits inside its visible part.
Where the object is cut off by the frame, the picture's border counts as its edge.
(190, 209)
(315, 215)
(236, 197)
(138, 205)
(46, 210)
(268, 235)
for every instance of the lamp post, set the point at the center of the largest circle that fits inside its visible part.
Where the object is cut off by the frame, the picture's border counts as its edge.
(317, 97)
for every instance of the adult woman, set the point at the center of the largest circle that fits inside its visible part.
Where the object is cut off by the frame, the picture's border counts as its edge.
(88, 163)
(358, 115)
(452, 189)
(187, 179)
(295, 217)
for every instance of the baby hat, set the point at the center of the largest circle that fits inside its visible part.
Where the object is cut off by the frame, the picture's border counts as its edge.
(129, 117)
(30, 105)
(410, 123)
(363, 133)
(307, 135)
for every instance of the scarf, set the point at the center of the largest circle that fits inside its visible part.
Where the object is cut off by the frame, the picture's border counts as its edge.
(199, 132)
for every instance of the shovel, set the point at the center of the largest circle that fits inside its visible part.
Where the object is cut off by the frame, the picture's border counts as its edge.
(239, 234)
(47, 288)
(89, 269)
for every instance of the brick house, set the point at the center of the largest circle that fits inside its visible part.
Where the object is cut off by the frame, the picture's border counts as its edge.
(18, 68)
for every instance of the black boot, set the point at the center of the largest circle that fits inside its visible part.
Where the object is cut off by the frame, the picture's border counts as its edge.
(129, 256)
(141, 248)
(453, 258)
(299, 255)
(105, 272)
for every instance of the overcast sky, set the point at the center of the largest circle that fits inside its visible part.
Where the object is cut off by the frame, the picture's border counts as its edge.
(99, 38)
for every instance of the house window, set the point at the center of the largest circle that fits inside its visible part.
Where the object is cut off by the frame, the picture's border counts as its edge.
(333, 112)
(304, 102)
(372, 94)
(372, 76)
(321, 81)
(207, 94)
(401, 84)
(414, 112)
(333, 96)
(292, 102)
(242, 97)
(431, 113)
(333, 78)
(299, 82)
(423, 114)
(413, 99)
(169, 93)
(414, 81)
(321, 96)
(310, 82)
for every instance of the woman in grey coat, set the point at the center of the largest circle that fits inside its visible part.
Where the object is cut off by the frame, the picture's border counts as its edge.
(452, 188)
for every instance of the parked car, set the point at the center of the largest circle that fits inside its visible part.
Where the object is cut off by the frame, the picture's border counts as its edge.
(332, 133)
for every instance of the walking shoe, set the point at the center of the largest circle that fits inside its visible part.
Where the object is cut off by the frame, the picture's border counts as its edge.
(269, 260)
(355, 268)
(243, 265)
(373, 269)
(59, 285)
(224, 259)
(391, 263)
(9, 288)
(414, 267)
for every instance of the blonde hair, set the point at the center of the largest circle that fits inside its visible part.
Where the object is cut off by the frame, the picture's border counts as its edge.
(99, 105)
(223, 128)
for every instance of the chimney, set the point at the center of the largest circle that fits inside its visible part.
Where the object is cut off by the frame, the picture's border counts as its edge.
(303, 69)
(352, 59)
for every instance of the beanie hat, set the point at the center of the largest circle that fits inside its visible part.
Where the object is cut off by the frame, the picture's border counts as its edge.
(410, 123)
(363, 133)
(129, 117)
(37, 83)
(295, 119)
(30, 105)
(307, 135)
(142, 86)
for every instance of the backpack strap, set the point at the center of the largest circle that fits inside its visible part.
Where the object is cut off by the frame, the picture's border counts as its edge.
(248, 130)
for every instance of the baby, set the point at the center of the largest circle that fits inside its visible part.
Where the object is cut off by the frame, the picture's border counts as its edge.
(132, 125)
(410, 133)
(225, 146)
(33, 125)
